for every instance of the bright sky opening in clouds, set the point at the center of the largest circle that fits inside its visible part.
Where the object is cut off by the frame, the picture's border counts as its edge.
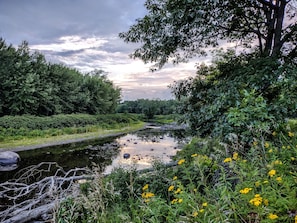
(84, 35)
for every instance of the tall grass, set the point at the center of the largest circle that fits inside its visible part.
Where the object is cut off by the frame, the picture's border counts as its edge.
(209, 184)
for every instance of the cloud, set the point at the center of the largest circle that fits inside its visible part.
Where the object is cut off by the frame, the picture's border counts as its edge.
(84, 35)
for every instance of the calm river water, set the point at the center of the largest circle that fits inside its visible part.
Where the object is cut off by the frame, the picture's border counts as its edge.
(143, 148)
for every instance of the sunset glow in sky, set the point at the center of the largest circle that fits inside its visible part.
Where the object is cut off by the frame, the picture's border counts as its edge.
(84, 35)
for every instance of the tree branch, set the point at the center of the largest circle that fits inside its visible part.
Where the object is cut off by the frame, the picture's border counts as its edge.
(24, 199)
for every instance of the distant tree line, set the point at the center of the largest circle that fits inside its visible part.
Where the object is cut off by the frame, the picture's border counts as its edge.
(31, 85)
(149, 108)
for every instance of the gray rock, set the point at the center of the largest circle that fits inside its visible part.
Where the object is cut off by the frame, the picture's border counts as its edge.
(9, 160)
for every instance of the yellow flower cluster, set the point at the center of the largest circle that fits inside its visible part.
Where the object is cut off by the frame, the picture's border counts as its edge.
(145, 187)
(178, 190)
(180, 162)
(277, 162)
(235, 156)
(204, 204)
(257, 200)
(290, 134)
(271, 173)
(146, 195)
(171, 188)
(195, 213)
(227, 160)
(272, 216)
(176, 200)
(245, 190)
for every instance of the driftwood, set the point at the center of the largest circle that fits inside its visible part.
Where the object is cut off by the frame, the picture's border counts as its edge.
(36, 191)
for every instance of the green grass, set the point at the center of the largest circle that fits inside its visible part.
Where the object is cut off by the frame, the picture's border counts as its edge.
(211, 183)
(24, 136)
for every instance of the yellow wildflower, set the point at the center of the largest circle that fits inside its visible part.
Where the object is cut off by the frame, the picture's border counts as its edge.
(257, 200)
(195, 214)
(292, 158)
(204, 204)
(194, 155)
(145, 187)
(180, 162)
(180, 200)
(229, 159)
(201, 210)
(279, 179)
(270, 151)
(257, 184)
(295, 218)
(235, 156)
(272, 216)
(274, 133)
(277, 162)
(290, 134)
(174, 178)
(271, 173)
(266, 145)
(266, 202)
(171, 188)
(146, 195)
(175, 200)
(245, 190)
(178, 190)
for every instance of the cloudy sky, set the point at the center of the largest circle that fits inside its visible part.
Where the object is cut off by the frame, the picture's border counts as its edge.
(84, 34)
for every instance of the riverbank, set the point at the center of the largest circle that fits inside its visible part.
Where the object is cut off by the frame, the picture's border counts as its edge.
(40, 142)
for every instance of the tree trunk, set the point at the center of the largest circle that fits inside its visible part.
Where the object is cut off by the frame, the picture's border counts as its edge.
(280, 13)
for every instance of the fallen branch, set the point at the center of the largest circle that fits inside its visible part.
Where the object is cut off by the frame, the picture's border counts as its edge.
(37, 190)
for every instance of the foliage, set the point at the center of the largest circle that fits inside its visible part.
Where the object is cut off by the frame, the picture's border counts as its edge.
(210, 183)
(176, 30)
(149, 108)
(18, 127)
(30, 85)
(242, 95)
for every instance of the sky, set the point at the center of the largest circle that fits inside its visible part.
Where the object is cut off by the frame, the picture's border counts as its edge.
(83, 34)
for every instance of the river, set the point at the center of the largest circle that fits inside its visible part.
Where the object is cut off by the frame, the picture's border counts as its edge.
(142, 148)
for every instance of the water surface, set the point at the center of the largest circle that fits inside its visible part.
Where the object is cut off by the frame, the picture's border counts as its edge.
(144, 147)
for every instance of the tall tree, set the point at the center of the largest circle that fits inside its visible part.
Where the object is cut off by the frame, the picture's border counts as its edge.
(180, 29)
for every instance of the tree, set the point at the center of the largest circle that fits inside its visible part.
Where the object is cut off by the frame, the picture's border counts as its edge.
(241, 95)
(181, 29)
(30, 85)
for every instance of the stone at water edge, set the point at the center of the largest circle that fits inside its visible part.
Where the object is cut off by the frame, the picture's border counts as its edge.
(9, 160)
(126, 155)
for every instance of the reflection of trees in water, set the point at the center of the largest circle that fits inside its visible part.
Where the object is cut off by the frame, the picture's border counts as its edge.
(69, 158)
(154, 135)
(100, 152)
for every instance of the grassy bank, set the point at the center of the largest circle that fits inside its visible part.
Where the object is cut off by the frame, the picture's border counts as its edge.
(16, 131)
(211, 183)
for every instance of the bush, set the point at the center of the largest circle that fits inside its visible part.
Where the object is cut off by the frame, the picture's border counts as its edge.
(215, 185)
(242, 96)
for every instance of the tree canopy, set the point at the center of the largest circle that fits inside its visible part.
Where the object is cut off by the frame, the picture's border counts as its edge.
(179, 29)
(31, 85)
